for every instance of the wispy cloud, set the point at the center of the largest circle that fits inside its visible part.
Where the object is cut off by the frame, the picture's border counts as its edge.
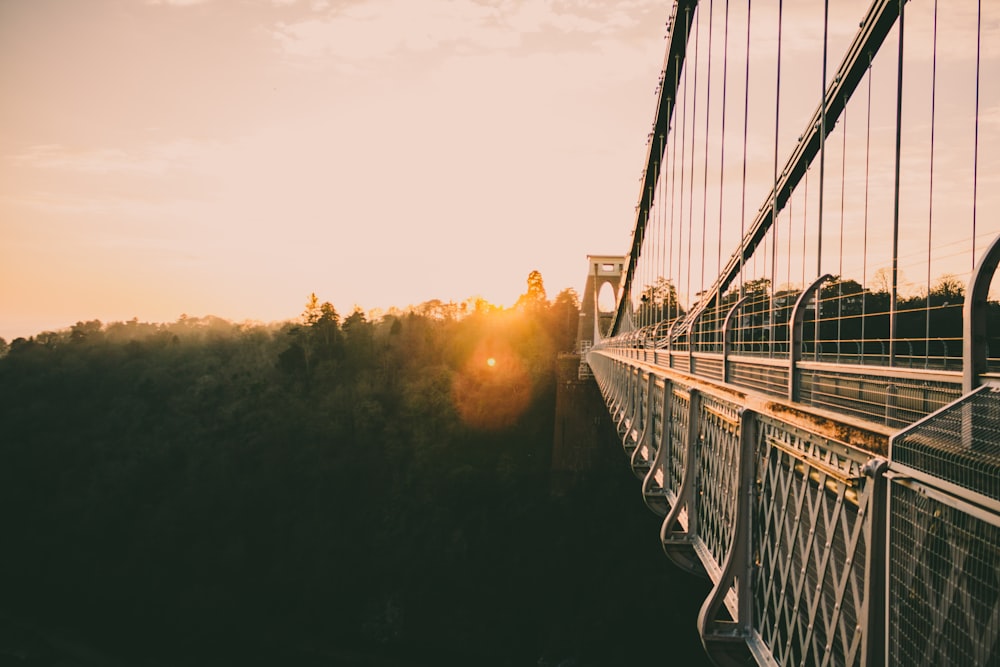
(176, 3)
(379, 28)
(376, 29)
(156, 159)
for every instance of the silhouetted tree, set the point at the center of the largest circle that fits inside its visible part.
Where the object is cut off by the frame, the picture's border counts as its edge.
(534, 299)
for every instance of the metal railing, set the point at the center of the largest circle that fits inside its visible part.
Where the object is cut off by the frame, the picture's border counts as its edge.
(788, 510)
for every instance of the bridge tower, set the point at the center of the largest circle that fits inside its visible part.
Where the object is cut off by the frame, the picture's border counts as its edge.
(582, 426)
(601, 270)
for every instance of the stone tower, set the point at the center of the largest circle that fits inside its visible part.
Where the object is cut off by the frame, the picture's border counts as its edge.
(580, 439)
(601, 270)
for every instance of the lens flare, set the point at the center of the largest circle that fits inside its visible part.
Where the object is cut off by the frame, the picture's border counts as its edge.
(489, 395)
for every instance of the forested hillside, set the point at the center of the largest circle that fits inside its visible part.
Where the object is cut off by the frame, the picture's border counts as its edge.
(330, 491)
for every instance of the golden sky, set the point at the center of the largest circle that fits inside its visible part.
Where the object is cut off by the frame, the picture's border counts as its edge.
(230, 157)
(161, 157)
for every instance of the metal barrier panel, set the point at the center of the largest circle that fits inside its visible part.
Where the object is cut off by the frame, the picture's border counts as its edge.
(758, 374)
(960, 445)
(895, 400)
(680, 411)
(657, 424)
(709, 366)
(811, 549)
(943, 565)
(718, 476)
(944, 582)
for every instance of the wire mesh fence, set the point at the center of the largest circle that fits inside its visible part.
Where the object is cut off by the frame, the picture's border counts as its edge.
(960, 445)
(944, 583)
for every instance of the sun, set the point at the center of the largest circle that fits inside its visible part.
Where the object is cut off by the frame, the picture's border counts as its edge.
(491, 362)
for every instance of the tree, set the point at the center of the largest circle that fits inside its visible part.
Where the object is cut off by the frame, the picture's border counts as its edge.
(535, 298)
(82, 331)
(659, 302)
(312, 312)
(564, 319)
(318, 337)
(326, 329)
(948, 291)
(358, 332)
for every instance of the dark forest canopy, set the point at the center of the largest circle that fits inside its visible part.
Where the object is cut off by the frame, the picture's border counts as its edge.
(336, 490)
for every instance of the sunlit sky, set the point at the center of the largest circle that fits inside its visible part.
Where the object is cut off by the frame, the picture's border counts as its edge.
(226, 157)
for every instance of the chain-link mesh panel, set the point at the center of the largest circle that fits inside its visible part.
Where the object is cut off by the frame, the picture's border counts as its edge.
(657, 424)
(960, 444)
(810, 549)
(718, 475)
(680, 411)
(944, 584)
(637, 419)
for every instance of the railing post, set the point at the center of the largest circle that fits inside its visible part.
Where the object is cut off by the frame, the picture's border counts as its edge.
(974, 354)
(795, 334)
(725, 337)
(656, 501)
(645, 437)
(876, 529)
(725, 640)
(691, 336)
(628, 414)
(670, 343)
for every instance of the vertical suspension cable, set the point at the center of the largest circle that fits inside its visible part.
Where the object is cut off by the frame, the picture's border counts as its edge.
(660, 223)
(666, 174)
(694, 143)
(746, 126)
(680, 221)
(822, 145)
(722, 159)
(930, 194)
(822, 173)
(864, 244)
(975, 149)
(840, 264)
(704, 180)
(805, 223)
(788, 251)
(675, 307)
(895, 214)
(662, 184)
(651, 271)
(644, 255)
(774, 189)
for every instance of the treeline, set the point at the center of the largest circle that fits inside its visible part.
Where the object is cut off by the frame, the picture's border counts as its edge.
(332, 491)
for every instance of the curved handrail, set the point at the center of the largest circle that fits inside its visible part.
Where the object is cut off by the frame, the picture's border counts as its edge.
(974, 354)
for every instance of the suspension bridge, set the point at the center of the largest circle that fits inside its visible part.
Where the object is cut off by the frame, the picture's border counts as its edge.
(801, 348)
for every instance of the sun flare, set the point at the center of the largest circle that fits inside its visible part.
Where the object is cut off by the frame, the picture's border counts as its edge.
(491, 362)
